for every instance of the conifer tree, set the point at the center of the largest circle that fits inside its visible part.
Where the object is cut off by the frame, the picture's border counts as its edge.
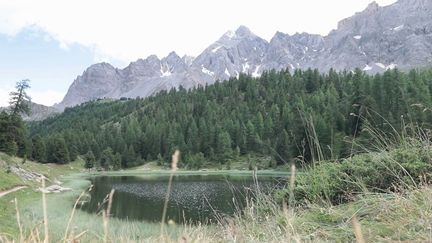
(89, 160)
(39, 149)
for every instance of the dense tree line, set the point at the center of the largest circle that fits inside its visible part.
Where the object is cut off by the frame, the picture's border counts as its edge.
(306, 115)
(13, 133)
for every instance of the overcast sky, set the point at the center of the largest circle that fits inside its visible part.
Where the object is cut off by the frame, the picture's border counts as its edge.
(50, 42)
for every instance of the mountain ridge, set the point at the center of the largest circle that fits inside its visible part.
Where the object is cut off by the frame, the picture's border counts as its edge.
(375, 39)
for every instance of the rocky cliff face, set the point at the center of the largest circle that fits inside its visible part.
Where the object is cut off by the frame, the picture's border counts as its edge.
(376, 39)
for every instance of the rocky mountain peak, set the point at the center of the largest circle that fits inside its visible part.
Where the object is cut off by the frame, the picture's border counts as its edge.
(173, 63)
(372, 7)
(152, 59)
(279, 36)
(243, 31)
(100, 66)
(172, 59)
(173, 55)
(375, 40)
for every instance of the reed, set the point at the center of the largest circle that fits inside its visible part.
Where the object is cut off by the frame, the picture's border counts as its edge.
(174, 162)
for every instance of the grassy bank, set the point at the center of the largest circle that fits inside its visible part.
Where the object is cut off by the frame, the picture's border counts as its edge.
(28, 196)
(51, 171)
(379, 196)
(383, 217)
(60, 205)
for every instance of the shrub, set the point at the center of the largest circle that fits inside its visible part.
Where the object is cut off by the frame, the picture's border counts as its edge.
(340, 182)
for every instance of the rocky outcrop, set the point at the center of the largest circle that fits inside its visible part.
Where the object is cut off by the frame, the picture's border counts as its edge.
(54, 189)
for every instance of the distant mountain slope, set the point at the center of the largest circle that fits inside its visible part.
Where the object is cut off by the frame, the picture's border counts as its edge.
(38, 112)
(376, 39)
(297, 115)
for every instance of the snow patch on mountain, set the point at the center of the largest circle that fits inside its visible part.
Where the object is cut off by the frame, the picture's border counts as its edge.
(398, 28)
(367, 68)
(216, 49)
(256, 73)
(206, 71)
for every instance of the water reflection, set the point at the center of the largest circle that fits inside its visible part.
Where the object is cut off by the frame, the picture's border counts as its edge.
(192, 199)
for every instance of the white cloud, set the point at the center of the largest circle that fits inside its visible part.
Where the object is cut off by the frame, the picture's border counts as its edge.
(4, 97)
(48, 97)
(132, 29)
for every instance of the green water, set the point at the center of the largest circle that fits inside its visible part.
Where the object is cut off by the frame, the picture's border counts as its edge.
(193, 198)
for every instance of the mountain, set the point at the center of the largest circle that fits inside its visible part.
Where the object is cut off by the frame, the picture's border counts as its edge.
(267, 116)
(38, 112)
(376, 39)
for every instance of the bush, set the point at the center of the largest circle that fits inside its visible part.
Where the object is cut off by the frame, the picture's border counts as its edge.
(340, 182)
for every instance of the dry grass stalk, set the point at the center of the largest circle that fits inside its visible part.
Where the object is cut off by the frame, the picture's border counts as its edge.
(36, 236)
(174, 162)
(292, 185)
(45, 213)
(18, 220)
(76, 238)
(106, 215)
(71, 217)
(357, 230)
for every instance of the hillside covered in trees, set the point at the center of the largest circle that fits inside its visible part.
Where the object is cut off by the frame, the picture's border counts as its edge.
(301, 116)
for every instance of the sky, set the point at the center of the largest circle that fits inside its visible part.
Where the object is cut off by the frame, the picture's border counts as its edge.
(51, 42)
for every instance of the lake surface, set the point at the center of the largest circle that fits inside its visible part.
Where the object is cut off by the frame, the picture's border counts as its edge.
(193, 198)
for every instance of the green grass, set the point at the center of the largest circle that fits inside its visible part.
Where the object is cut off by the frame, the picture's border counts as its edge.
(59, 212)
(60, 205)
(51, 171)
(8, 223)
(8, 180)
(28, 196)
(382, 190)
(383, 217)
(334, 182)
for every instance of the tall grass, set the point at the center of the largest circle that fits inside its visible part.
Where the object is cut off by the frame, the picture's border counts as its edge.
(174, 162)
(382, 194)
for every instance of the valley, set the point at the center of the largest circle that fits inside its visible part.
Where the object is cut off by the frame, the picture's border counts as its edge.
(295, 138)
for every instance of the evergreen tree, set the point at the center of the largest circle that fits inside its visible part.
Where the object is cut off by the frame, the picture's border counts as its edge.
(294, 115)
(129, 157)
(11, 148)
(107, 158)
(13, 133)
(117, 161)
(283, 155)
(251, 136)
(223, 148)
(19, 100)
(39, 149)
(7, 143)
(89, 160)
(58, 152)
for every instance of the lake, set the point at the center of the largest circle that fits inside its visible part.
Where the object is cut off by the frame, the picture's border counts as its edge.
(193, 198)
